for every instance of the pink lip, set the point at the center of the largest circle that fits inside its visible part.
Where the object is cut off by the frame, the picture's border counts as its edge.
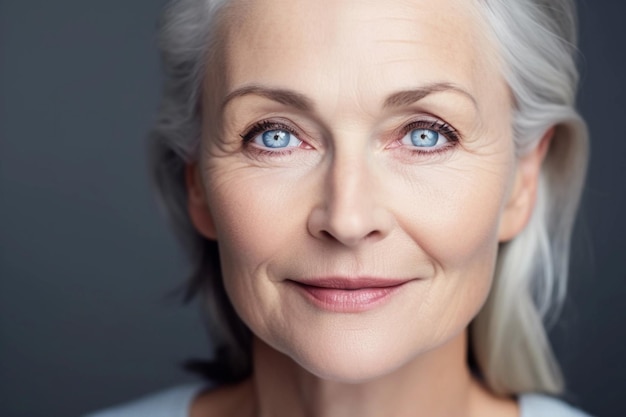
(348, 295)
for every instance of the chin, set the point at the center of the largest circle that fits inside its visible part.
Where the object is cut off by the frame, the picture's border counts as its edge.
(352, 371)
(354, 361)
(353, 375)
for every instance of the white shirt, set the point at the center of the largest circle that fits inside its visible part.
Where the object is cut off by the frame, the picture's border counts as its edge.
(176, 402)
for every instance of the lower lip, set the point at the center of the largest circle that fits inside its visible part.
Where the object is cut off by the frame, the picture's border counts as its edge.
(347, 301)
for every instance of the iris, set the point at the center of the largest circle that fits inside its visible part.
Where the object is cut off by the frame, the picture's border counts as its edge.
(276, 138)
(424, 137)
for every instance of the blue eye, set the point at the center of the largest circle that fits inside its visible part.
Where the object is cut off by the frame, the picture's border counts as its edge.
(277, 138)
(424, 138)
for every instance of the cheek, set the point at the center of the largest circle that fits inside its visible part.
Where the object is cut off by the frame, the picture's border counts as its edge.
(454, 220)
(453, 212)
(259, 218)
(255, 215)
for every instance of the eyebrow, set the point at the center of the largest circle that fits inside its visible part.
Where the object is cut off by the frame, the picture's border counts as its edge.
(301, 102)
(408, 97)
(282, 96)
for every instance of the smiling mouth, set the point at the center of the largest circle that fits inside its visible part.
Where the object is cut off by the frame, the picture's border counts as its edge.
(348, 295)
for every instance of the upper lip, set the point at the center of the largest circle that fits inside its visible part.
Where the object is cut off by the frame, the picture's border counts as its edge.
(341, 283)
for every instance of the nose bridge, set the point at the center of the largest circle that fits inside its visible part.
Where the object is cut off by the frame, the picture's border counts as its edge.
(351, 212)
(349, 177)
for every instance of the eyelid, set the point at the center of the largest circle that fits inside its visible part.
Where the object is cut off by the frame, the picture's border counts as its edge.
(425, 122)
(265, 125)
(437, 125)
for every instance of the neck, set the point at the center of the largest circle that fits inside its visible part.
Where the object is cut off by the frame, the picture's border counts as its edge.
(436, 383)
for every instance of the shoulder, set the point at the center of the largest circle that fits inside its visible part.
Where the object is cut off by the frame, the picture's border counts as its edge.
(172, 402)
(538, 405)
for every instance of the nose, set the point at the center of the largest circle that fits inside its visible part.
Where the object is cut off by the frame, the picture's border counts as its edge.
(352, 209)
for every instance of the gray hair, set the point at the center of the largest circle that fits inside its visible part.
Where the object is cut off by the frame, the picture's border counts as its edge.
(536, 41)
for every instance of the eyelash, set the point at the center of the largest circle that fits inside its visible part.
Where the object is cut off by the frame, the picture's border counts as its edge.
(442, 128)
(264, 126)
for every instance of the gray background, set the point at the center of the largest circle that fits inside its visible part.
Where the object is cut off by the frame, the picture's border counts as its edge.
(86, 261)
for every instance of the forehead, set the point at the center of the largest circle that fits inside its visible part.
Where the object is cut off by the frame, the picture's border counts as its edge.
(335, 50)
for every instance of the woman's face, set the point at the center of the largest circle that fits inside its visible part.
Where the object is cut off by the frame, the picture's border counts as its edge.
(359, 181)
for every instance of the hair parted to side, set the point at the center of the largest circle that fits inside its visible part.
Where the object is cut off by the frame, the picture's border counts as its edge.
(536, 42)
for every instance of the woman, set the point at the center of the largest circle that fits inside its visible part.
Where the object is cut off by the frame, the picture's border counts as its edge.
(391, 187)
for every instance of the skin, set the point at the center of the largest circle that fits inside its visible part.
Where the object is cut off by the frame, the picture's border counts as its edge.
(354, 199)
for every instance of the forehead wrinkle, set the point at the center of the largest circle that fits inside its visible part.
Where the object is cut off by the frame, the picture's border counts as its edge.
(335, 27)
(412, 42)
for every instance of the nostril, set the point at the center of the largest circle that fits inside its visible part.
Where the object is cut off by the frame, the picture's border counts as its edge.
(373, 234)
(327, 234)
